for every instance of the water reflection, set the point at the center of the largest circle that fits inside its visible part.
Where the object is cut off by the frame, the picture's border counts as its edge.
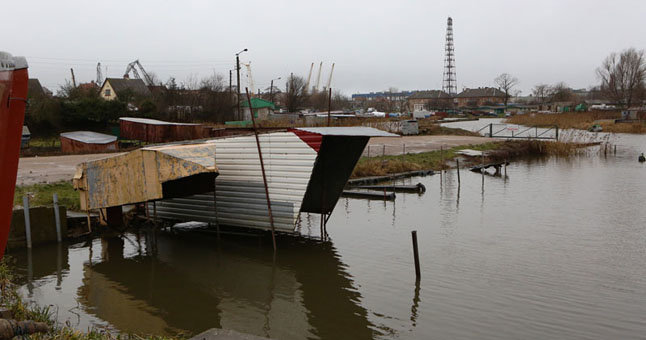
(162, 283)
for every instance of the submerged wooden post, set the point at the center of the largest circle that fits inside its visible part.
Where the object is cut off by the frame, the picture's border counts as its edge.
(615, 149)
(262, 168)
(57, 217)
(25, 204)
(418, 274)
(457, 168)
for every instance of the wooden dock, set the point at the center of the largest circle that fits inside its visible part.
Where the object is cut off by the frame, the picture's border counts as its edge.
(414, 188)
(371, 195)
(378, 179)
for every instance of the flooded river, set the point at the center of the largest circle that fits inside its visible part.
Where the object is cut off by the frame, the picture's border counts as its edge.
(556, 249)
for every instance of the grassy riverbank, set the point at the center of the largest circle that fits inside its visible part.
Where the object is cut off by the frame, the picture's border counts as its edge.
(436, 160)
(11, 300)
(42, 195)
(579, 120)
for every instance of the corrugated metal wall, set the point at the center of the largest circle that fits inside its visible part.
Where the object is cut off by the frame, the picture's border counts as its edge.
(239, 187)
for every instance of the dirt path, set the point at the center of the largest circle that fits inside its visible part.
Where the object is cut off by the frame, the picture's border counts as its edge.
(52, 169)
(417, 144)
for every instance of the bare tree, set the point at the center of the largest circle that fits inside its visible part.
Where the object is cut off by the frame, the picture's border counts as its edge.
(561, 92)
(506, 83)
(622, 76)
(541, 92)
(295, 96)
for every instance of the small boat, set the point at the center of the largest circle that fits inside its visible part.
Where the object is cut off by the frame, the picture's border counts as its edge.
(13, 100)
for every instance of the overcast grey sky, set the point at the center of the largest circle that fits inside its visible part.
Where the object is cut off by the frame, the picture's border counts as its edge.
(375, 44)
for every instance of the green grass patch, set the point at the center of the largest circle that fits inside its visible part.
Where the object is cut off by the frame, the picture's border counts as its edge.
(42, 195)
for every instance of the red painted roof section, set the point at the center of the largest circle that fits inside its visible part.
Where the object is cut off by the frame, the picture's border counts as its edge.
(312, 139)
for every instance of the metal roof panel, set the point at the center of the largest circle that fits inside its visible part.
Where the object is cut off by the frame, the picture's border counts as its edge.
(359, 131)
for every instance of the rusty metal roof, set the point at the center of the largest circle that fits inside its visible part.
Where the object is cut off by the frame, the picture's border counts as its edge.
(348, 131)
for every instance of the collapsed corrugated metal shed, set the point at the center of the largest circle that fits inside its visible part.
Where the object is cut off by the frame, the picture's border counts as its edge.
(87, 141)
(157, 131)
(306, 169)
(146, 174)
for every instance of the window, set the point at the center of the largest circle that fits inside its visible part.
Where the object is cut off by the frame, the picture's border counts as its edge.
(107, 92)
(419, 107)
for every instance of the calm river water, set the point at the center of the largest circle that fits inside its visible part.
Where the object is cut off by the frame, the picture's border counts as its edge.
(557, 249)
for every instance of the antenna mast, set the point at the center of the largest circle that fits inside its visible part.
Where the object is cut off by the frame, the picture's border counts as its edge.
(449, 85)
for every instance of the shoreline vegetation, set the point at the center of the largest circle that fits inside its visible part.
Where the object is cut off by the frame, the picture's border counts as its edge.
(580, 121)
(494, 152)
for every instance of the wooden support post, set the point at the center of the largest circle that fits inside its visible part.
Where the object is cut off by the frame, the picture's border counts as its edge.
(25, 204)
(615, 149)
(57, 218)
(383, 150)
(418, 273)
(457, 167)
(404, 148)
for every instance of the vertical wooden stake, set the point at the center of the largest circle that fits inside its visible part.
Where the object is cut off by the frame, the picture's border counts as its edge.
(25, 204)
(383, 151)
(57, 218)
(457, 167)
(418, 274)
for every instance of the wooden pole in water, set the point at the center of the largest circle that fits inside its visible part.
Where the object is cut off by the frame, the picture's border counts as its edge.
(457, 167)
(25, 205)
(57, 218)
(615, 149)
(262, 168)
(383, 150)
(418, 274)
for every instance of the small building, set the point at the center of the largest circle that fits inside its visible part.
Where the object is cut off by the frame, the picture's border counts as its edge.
(261, 108)
(113, 87)
(482, 96)
(87, 141)
(429, 100)
(158, 131)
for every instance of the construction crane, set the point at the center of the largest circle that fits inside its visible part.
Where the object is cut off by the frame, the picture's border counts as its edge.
(99, 74)
(318, 79)
(329, 79)
(252, 87)
(133, 67)
(309, 77)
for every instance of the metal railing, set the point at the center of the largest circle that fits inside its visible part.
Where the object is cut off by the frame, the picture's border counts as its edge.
(540, 132)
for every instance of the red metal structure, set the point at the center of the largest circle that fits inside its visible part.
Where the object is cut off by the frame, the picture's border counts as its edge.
(157, 131)
(13, 99)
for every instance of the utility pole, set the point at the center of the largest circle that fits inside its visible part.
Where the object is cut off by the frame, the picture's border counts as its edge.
(238, 84)
(271, 90)
(238, 81)
(73, 78)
